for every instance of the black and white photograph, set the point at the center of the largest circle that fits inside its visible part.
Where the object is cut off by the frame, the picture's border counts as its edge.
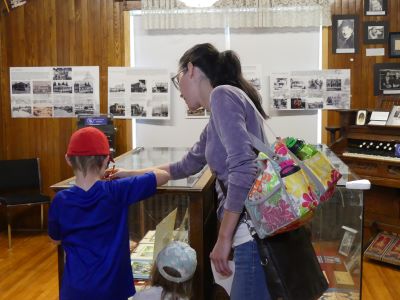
(83, 87)
(138, 110)
(159, 110)
(386, 78)
(297, 103)
(280, 84)
(280, 103)
(375, 32)
(394, 117)
(344, 33)
(361, 117)
(333, 100)
(298, 83)
(41, 87)
(62, 73)
(21, 87)
(314, 103)
(334, 84)
(60, 87)
(117, 88)
(139, 86)
(63, 107)
(118, 109)
(256, 82)
(394, 44)
(347, 242)
(160, 87)
(315, 84)
(375, 7)
(22, 111)
(84, 107)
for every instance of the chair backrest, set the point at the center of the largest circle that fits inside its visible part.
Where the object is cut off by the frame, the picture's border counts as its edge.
(19, 174)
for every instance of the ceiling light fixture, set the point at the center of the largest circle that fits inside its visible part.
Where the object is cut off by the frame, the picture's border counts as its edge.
(198, 3)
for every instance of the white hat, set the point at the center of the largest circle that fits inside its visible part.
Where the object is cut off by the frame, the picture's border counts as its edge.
(179, 256)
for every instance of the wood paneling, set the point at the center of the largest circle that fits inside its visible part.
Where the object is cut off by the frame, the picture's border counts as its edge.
(362, 66)
(58, 33)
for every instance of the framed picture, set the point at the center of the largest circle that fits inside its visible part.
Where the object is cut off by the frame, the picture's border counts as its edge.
(347, 240)
(344, 34)
(387, 79)
(361, 117)
(375, 7)
(394, 44)
(394, 117)
(375, 32)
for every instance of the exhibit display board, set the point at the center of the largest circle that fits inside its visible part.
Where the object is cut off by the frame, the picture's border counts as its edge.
(54, 92)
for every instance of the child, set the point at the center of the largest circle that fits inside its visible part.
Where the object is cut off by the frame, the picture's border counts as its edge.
(171, 274)
(90, 220)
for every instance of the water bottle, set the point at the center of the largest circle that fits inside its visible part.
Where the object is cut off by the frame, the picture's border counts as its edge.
(302, 150)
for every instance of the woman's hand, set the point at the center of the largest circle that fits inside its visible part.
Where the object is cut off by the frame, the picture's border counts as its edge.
(219, 256)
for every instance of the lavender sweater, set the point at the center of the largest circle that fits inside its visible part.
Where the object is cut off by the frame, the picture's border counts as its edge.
(226, 147)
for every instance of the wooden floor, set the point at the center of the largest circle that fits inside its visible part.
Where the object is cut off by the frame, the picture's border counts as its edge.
(29, 271)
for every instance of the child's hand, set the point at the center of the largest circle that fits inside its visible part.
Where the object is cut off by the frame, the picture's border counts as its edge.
(115, 173)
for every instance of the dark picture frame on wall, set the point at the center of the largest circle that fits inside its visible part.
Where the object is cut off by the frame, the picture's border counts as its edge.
(375, 7)
(387, 79)
(375, 32)
(344, 34)
(394, 44)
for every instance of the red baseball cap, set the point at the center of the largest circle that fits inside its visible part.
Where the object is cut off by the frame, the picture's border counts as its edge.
(88, 141)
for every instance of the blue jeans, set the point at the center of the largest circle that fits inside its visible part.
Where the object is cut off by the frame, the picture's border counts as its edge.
(249, 279)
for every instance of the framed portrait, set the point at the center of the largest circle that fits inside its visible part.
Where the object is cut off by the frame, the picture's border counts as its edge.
(387, 79)
(361, 117)
(394, 44)
(375, 7)
(344, 34)
(394, 117)
(375, 32)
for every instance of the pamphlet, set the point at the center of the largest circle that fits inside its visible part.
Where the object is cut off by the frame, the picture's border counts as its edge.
(224, 281)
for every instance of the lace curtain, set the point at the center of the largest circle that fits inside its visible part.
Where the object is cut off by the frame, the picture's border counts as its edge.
(174, 14)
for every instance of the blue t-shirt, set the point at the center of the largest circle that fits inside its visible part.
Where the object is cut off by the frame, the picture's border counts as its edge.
(93, 228)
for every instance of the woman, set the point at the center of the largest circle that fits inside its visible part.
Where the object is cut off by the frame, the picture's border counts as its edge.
(214, 80)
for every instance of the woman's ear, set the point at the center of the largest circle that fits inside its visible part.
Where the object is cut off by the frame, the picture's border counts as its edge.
(190, 69)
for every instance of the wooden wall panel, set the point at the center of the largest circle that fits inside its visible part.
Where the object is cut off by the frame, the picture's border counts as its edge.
(362, 67)
(57, 33)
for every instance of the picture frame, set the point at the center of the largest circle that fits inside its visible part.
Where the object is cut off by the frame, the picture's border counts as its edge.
(344, 34)
(386, 79)
(375, 7)
(361, 117)
(346, 244)
(394, 44)
(375, 32)
(394, 116)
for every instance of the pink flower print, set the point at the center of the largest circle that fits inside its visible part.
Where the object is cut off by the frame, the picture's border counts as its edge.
(276, 216)
(309, 199)
(280, 149)
(335, 176)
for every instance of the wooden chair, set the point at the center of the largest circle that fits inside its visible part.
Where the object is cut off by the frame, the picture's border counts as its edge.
(20, 185)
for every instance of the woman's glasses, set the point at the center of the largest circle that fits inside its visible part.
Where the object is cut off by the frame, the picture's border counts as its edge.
(175, 80)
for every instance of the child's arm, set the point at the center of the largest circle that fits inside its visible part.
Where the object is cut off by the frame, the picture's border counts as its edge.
(162, 176)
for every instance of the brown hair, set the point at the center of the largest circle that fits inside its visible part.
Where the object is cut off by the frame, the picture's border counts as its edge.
(87, 163)
(221, 68)
(174, 290)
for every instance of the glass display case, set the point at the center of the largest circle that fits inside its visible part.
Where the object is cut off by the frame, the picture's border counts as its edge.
(185, 210)
(337, 236)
